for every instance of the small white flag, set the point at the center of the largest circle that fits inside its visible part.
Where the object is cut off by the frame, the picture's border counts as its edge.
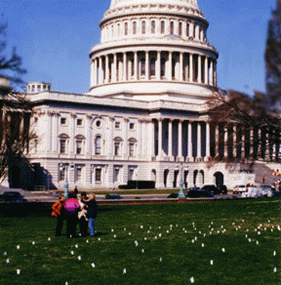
(159, 228)
(66, 283)
(124, 271)
(72, 252)
(129, 233)
(211, 262)
(223, 249)
(76, 245)
(195, 228)
(218, 232)
(211, 223)
(221, 226)
(183, 229)
(272, 230)
(259, 233)
(114, 236)
(18, 247)
(249, 240)
(167, 231)
(193, 241)
(49, 239)
(195, 238)
(33, 242)
(98, 239)
(18, 271)
(199, 232)
(202, 245)
(93, 265)
(246, 235)
(124, 229)
(274, 253)
(160, 235)
(265, 229)
(79, 257)
(155, 237)
(142, 250)
(87, 241)
(257, 242)
(176, 225)
(160, 258)
(192, 280)
(5, 253)
(268, 221)
(112, 230)
(145, 238)
(7, 260)
(141, 226)
(274, 269)
(242, 221)
(79, 234)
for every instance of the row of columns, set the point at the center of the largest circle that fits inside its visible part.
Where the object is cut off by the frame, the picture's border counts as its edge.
(167, 65)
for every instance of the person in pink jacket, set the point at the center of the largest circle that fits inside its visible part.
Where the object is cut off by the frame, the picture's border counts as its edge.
(72, 208)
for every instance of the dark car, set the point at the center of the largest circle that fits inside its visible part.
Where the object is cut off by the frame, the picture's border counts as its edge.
(113, 197)
(193, 188)
(211, 188)
(13, 197)
(173, 195)
(199, 194)
(222, 189)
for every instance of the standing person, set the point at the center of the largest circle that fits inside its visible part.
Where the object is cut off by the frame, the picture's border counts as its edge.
(59, 213)
(72, 208)
(82, 215)
(75, 191)
(91, 212)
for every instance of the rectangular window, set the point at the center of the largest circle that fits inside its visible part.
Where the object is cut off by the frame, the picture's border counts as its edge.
(116, 174)
(132, 126)
(153, 27)
(98, 174)
(131, 174)
(143, 27)
(162, 27)
(180, 29)
(126, 29)
(116, 148)
(117, 125)
(62, 146)
(62, 174)
(78, 147)
(134, 28)
(79, 122)
(78, 174)
(33, 88)
(131, 149)
(62, 121)
(44, 87)
(38, 88)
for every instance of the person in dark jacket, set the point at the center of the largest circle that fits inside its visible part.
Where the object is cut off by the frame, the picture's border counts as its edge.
(72, 208)
(91, 212)
(82, 215)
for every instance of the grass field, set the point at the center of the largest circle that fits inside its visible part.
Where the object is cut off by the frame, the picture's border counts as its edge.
(156, 244)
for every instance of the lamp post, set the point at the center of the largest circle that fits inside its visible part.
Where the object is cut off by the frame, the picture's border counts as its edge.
(66, 180)
(181, 194)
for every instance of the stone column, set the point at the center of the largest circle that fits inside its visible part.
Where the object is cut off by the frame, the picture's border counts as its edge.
(50, 127)
(191, 67)
(88, 151)
(206, 70)
(243, 143)
(208, 140)
(150, 141)
(106, 69)
(100, 71)
(160, 138)
(217, 140)
(212, 73)
(181, 67)
(55, 123)
(114, 69)
(199, 69)
(72, 135)
(189, 143)
(124, 66)
(225, 141)
(234, 140)
(251, 143)
(158, 66)
(93, 73)
(199, 148)
(146, 65)
(136, 65)
(170, 138)
(170, 66)
(125, 138)
(180, 157)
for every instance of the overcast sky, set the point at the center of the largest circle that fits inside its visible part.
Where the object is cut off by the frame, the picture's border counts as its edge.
(54, 38)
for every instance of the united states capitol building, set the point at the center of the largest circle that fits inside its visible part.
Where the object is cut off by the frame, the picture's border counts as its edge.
(145, 116)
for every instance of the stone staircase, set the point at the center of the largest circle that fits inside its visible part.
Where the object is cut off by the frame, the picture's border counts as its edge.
(261, 169)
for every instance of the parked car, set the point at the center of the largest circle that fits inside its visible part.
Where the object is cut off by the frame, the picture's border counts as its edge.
(239, 189)
(193, 188)
(222, 189)
(268, 191)
(113, 197)
(211, 188)
(253, 192)
(13, 196)
(173, 196)
(199, 194)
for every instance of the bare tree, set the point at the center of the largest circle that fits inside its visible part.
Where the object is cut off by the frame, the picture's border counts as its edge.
(15, 111)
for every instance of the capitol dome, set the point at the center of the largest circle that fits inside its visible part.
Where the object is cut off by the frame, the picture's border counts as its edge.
(153, 49)
(121, 3)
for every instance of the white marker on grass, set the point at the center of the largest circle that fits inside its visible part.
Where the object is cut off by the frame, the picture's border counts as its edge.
(211, 262)
(124, 271)
(18, 271)
(191, 280)
(93, 265)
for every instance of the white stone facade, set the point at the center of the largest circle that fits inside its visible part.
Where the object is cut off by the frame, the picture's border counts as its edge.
(144, 117)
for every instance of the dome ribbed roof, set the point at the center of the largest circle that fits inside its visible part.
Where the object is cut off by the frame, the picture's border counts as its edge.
(122, 3)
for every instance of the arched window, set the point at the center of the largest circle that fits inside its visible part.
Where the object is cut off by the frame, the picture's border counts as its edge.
(134, 27)
(171, 28)
(187, 29)
(152, 66)
(180, 29)
(79, 142)
(162, 27)
(112, 31)
(63, 143)
(143, 27)
(126, 29)
(117, 146)
(153, 27)
(98, 145)
(118, 30)
(142, 66)
(163, 63)
(132, 146)
(194, 30)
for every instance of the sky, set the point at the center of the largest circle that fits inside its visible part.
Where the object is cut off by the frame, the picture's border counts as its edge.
(54, 38)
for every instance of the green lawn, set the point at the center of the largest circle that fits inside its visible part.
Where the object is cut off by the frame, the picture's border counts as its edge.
(172, 258)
